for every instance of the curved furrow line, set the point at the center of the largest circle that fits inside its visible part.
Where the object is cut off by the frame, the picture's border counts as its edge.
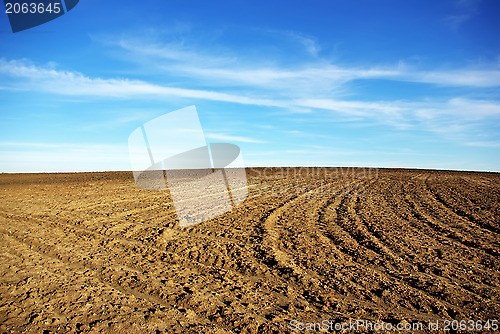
(101, 224)
(427, 212)
(53, 250)
(144, 214)
(446, 234)
(265, 207)
(434, 230)
(460, 213)
(292, 250)
(80, 287)
(131, 227)
(340, 223)
(134, 277)
(121, 249)
(350, 294)
(149, 251)
(365, 260)
(87, 227)
(87, 202)
(365, 294)
(326, 206)
(384, 219)
(390, 218)
(444, 231)
(481, 181)
(408, 280)
(361, 229)
(420, 298)
(317, 208)
(271, 238)
(330, 220)
(460, 231)
(396, 273)
(323, 217)
(186, 256)
(400, 254)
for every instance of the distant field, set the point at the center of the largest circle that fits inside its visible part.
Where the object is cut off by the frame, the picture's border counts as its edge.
(93, 252)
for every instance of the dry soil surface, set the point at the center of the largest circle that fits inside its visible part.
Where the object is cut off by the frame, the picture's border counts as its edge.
(92, 252)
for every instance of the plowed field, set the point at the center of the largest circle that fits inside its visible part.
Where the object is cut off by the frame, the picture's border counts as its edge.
(92, 252)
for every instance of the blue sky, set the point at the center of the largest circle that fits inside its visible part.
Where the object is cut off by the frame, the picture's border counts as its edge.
(293, 83)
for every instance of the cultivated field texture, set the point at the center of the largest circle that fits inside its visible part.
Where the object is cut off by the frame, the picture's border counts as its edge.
(92, 252)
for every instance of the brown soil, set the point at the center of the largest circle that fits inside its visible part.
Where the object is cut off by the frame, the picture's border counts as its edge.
(91, 252)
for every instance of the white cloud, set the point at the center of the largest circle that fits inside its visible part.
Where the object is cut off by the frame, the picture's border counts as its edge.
(463, 77)
(356, 108)
(221, 136)
(488, 144)
(309, 43)
(320, 75)
(458, 109)
(430, 114)
(30, 77)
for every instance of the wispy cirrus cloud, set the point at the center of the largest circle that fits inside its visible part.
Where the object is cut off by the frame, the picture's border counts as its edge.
(229, 138)
(24, 75)
(488, 144)
(466, 77)
(309, 43)
(320, 74)
(449, 118)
